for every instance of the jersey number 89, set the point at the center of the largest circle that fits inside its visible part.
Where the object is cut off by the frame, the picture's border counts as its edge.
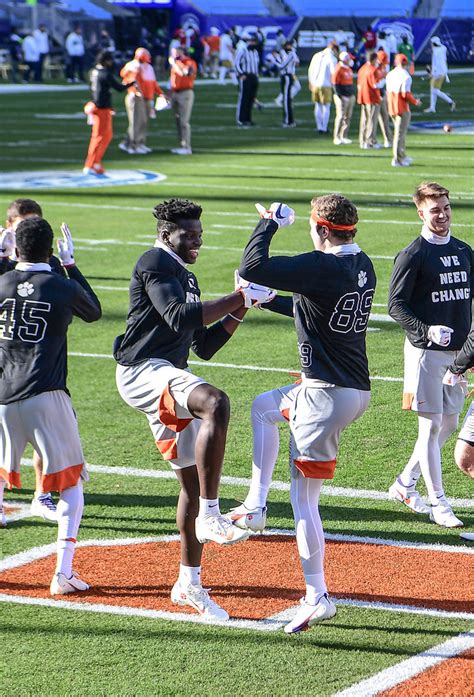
(352, 312)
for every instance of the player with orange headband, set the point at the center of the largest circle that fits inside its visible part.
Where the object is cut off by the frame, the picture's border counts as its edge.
(333, 287)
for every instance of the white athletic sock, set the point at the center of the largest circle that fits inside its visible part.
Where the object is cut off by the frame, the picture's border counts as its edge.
(2, 489)
(433, 98)
(208, 507)
(70, 507)
(222, 73)
(429, 454)
(326, 110)
(318, 116)
(265, 415)
(443, 96)
(304, 494)
(189, 575)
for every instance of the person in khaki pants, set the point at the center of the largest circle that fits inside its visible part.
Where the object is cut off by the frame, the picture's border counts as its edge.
(344, 98)
(399, 98)
(368, 96)
(183, 75)
(383, 65)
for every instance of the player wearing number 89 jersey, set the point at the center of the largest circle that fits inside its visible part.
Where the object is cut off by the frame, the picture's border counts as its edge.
(36, 308)
(333, 287)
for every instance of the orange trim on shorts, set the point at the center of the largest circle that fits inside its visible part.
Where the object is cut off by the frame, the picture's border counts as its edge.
(168, 448)
(407, 400)
(167, 412)
(12, 478)
(316, 469)
(58, 481)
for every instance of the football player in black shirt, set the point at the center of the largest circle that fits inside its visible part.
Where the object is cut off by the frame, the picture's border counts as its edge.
(187, 416)
(333, 288)
(20, 209)
(37, 307)
(430, 298)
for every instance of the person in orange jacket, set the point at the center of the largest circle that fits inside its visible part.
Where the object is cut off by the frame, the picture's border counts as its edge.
(344, 98)
(139, 101)
(383, 66)
(399, 98)
(368, 96)
(183, 75)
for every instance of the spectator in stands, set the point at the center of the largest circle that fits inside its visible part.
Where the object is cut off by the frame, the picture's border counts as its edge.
(183, 75)
(369, 41)
(75, 51)
(399, 98)
(160, 50)
(16, 53)
(31, 56)
(320, 71)
(438, 71)
(226, 57)
(140, 101)
(368, 96)
(407, 49)
(344, 97)
(383, 66)
(42, 41)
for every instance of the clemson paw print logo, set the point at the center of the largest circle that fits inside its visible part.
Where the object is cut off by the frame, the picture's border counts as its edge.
(361, 279)
(25, 289)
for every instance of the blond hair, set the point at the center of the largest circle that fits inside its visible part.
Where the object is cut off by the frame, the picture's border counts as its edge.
(428, 190)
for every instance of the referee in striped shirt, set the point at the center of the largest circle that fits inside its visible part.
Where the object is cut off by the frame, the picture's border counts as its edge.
(246, 64)
(286, 61)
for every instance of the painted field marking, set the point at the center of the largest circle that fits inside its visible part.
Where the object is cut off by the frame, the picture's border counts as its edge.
(276, 485)
(270, 623)
(399, 673)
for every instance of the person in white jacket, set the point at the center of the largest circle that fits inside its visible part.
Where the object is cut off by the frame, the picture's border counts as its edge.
(31, 56)
(319, 78)
(75, 50)
(438, 74)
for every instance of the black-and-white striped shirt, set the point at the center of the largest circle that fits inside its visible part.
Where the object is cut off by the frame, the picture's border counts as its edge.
(246, 61)
(287, 62)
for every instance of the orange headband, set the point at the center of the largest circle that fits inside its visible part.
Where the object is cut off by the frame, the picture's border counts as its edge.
(329, 225)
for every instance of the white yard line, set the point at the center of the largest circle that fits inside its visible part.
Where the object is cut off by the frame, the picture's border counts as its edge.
(399, 673)
(338, 491)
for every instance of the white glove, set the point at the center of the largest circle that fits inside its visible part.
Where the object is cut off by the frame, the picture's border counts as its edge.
(253, 293)
(282, 214)
(440, 335)
(7, 242)
(453, 379)
(66, 247)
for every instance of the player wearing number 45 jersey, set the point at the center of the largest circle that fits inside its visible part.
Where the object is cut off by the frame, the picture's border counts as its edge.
(36, 308)
(333, 287)
(430, 297)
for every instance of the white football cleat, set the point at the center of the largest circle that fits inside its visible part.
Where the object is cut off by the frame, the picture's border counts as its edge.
(217, 528)
(308, 615)
(3, 518)
(410, 497)
(442, 514)
(467, 536)
(60, 585)
(199, 599)
(346, 141)
(44, 507)
(182, 151)
(253, 519)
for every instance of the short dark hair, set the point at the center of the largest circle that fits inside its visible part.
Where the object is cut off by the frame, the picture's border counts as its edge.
(104, 56)
(23, 206)
(170, 212)
(34, 239)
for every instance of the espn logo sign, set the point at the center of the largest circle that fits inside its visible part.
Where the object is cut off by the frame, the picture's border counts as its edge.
(308, 38)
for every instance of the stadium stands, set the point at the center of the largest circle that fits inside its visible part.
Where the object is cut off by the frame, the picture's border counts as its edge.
(232, 7)
(352, 8)
(458, 8)
(88, 8)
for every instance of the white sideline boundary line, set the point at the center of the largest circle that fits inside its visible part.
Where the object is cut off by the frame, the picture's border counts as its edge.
(399, 673)
(271, 623)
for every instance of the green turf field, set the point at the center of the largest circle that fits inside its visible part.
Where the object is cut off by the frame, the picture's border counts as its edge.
(230, 170)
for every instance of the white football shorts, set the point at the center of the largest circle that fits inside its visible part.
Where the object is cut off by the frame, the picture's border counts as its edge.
(467, 431)
(49, 423)
(423, 388)
(318, 413)
(159, 390)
